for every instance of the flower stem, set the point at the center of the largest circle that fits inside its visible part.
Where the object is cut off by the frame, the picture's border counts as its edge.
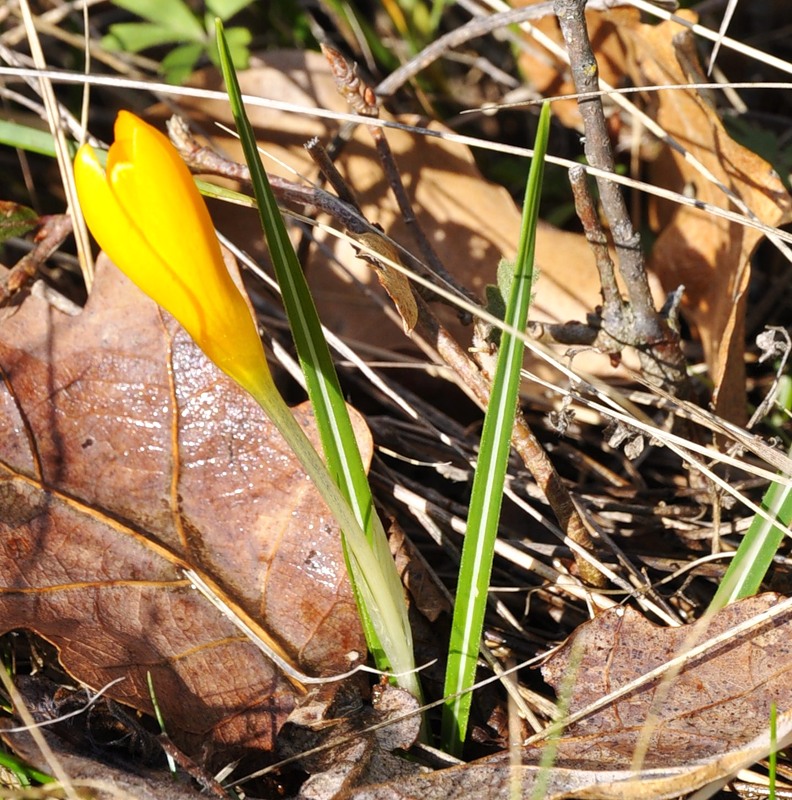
(369, 570)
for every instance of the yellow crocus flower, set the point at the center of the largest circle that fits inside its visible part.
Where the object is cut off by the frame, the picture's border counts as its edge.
(148, 216)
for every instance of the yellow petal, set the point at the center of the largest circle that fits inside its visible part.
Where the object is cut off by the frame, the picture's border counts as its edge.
(160, 193)
(150, 219)
(108, 221)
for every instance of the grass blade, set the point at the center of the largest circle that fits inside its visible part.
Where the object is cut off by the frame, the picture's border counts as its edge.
(488, 481)
(755, 554)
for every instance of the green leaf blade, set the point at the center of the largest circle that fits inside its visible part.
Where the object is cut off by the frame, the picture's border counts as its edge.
(488, 481)
(172, 15)
(225, 9)
(132, 37)
(178, 65)
(755, 554)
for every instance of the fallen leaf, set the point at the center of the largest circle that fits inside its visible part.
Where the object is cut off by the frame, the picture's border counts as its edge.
(716, 703)
(91, 742)
(548, 75)
(349, 754)
(708, 721)
(124, 456)
(709, 256)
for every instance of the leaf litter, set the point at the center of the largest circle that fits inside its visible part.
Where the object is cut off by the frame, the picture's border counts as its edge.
(695, 725)
(127, 457)
(81, 550)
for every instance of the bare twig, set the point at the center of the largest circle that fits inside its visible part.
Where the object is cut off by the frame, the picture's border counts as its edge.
(478, 26)
(321, 158)
(204, 159)
(584, 205)
(642, 325)
(363, 99)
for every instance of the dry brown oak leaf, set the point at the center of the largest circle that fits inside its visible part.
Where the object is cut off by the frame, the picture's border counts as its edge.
(710, 256)
(125, 455)
(697, 726)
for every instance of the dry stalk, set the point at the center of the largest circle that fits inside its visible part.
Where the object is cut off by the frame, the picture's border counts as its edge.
(50, 237)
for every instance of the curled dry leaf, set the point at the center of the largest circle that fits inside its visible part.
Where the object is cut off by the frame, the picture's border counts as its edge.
(700, 725)
(352, 751)
(98, 780)
(470, 222)
(708, 255)
(126, 456)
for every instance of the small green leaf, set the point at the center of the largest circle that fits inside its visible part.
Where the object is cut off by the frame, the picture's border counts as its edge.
(178, 65)
(225, 9)
(497, 296)
(16, 220)
(132, 37)
(506, 269)
(172, 15)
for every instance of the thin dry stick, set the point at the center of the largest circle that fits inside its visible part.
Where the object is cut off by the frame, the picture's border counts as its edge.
(476, 27)
(613, 324)
(330, 173)
(61, 148)
(363, 100)
(49, 238)
(39, 740)
(207, 161)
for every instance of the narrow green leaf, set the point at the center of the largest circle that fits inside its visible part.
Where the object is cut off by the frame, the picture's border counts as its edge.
(372, 570)
(238, 40)
(487, 494)
(755, 554)
(222, 193)
(179, 64)
(24, 137)
(23, 772)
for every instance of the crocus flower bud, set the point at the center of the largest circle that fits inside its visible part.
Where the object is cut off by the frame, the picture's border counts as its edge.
(147, 215)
